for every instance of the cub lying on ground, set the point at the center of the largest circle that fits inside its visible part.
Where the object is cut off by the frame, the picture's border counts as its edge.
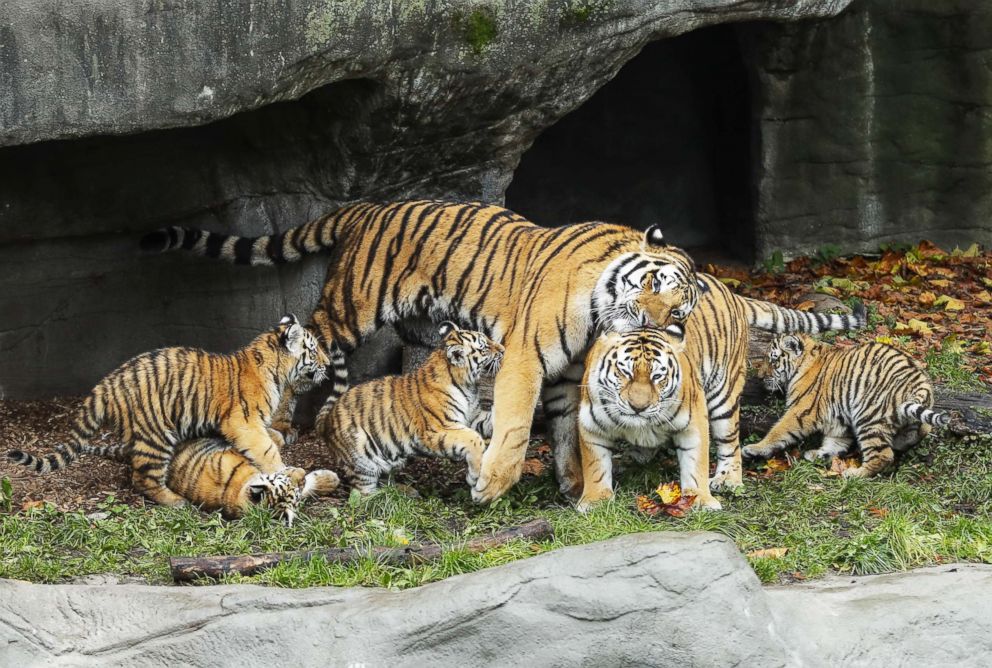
(211, 474)
(873, 391)
(375, 426)
(640, 388)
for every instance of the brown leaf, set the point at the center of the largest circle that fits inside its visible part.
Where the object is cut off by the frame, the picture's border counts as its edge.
(806, 305)
(29, 505)
(533, 466)
(878, 512)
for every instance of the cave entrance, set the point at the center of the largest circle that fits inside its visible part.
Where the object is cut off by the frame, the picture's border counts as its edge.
(668, 140)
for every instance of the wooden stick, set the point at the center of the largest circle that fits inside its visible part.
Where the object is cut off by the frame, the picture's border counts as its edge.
(186, 569)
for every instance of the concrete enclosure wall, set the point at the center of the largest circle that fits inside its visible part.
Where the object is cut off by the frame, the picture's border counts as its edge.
(117, 117)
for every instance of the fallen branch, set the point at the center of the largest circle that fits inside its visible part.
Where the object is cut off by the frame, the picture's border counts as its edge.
(186, 569)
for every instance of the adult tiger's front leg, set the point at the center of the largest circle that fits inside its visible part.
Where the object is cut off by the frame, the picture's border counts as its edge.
(561, 409)
(514, 398)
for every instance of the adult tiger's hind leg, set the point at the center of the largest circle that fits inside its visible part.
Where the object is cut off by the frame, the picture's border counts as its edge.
(725, 432)
(561, 411)
(150, 464)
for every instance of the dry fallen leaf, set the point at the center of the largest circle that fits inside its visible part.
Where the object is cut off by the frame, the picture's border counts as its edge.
(927, 298)
(777, 464)
(533, 466)
(878, 512)
(28, 505)
(952, 344)
(669, 492)
(806, 305)
(769, 553)
(914, 328)
(949, 303)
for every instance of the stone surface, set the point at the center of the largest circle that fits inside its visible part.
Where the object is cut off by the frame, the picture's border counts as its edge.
(648, 599)
(939, 616)
(873, 126)
(121, 116)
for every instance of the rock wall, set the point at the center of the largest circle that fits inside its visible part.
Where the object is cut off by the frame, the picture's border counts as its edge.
(663, 598)
(120, 116)
(874, 126)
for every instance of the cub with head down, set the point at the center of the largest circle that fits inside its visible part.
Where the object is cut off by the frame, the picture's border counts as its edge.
(158, 399)
(873, 391)
(639, 388)
(377, 425)
(211, 474)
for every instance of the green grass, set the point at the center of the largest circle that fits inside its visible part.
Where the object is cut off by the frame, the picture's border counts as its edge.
(935, 508)
(949, 369)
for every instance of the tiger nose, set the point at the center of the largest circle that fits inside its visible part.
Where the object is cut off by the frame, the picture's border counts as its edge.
(640, 397)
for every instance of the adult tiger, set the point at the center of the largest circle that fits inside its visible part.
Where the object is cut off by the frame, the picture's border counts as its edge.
(542, 292)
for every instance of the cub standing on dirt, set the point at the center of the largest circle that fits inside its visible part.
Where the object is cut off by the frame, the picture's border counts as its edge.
(161, 398)
(640, 388)
(375, 426)
(211, 474)
(874, 391)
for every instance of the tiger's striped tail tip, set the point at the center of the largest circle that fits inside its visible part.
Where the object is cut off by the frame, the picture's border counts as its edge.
(860, 314)
(942, 420)
(17, 456)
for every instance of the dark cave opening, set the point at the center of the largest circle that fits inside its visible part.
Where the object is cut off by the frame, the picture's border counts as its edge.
(667, 140)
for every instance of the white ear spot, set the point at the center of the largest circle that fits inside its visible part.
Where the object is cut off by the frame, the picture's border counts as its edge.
(676, 330)
(654, 236)
(287, 319)
(447, 327)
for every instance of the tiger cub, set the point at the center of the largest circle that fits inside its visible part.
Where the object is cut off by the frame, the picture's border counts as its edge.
(375, 426)
(209, 473)
(161, 398)
(873, 391)
(639, 388)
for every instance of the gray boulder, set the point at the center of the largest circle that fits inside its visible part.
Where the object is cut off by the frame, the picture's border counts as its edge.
(647, 599)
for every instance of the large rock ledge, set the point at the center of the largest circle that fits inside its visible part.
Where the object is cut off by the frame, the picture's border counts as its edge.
(648, 599)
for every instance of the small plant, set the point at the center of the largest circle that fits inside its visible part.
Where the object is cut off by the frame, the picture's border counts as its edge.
(478, 28)
(6, 494)
(774, 264)
(826, 253)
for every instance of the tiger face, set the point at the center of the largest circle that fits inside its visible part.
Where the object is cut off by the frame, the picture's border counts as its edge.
(784, 358)
(312, 360)
(657, 286)
(471, 352)
(639, 378)
(277, 491)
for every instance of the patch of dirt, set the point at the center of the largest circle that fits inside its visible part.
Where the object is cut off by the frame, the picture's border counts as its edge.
(39, 426)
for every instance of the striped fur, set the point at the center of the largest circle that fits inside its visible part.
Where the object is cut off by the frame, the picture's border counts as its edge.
(545, 293)
(211, 474)
(641, 390)
(873, 392)
(158, 399)
(376, 426)
(542, 292)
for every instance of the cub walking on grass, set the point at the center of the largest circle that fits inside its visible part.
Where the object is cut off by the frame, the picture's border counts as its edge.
(161, 398)
(211, 474)
(873, 391)
(375, 426)
(640, 388)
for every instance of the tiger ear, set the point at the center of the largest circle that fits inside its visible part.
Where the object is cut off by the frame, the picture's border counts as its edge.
(456, 355)
(291, 334)
(654, 237)
(257, 487)
(701, 284)
(793, 345)
(446, 328)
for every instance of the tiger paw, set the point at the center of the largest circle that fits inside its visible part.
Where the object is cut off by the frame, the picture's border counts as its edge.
(815, 456)
(587, 501)
(726, 480)
(290, 435)
(320, 482)
(493, 484)
(856, 472)
(707, 502)
(755, 452)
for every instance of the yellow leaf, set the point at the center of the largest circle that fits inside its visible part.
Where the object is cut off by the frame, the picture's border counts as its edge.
(952, 344)
(669, 493)
(885, 339)
(732, 282)
(982, 348)
(987, 281)
(984, 296)
(939, 282)
(914, 326)
(927, 298)
(769, 553)
(833, 292)
(949, 303)
(971, 252)
(842, 283)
